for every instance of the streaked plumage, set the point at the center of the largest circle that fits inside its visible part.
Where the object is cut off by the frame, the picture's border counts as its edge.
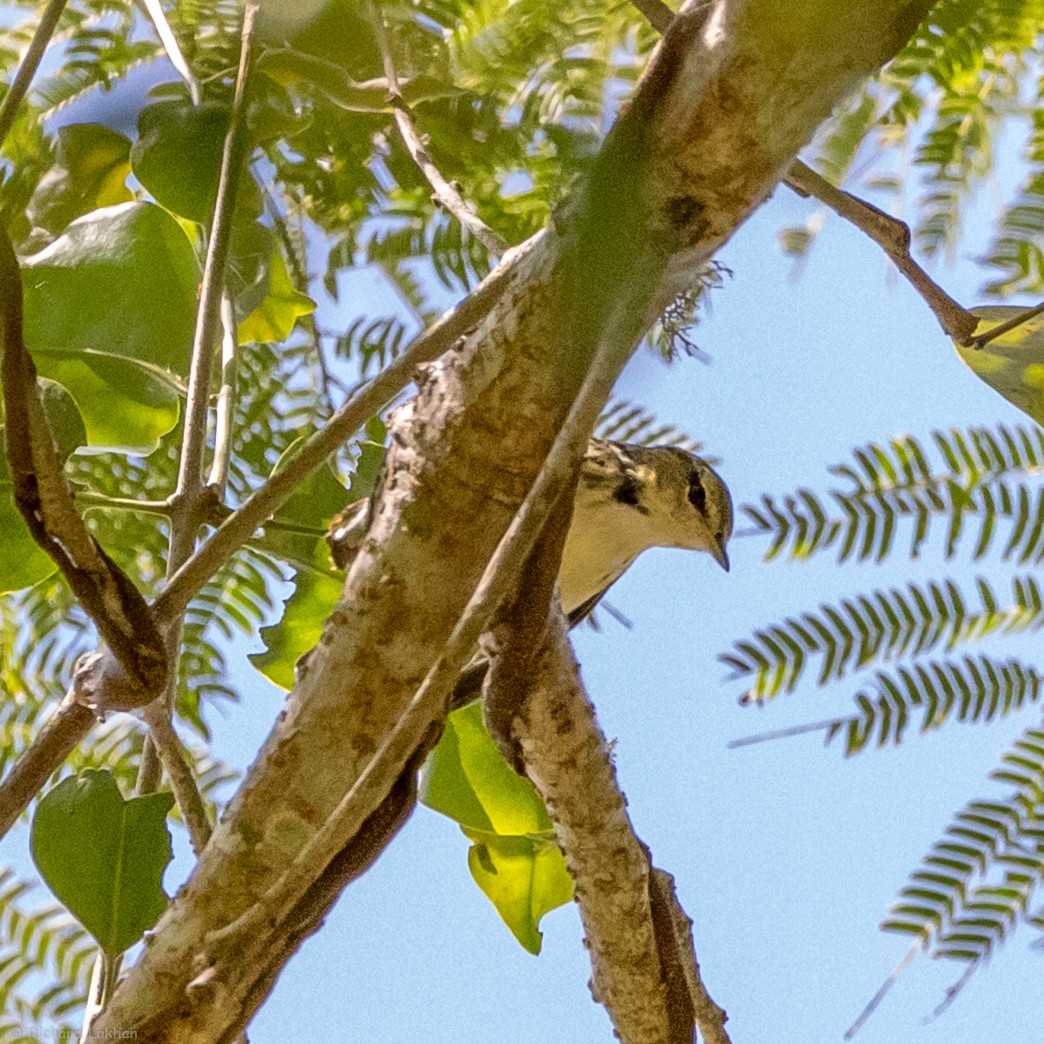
(631, 498)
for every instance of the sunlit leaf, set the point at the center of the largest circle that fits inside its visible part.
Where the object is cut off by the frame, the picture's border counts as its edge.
(104, 857)
(523, 877)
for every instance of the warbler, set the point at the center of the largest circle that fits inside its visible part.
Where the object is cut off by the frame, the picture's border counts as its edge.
(628, 499)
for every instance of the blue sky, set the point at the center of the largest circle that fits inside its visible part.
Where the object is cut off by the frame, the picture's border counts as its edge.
(786, 854)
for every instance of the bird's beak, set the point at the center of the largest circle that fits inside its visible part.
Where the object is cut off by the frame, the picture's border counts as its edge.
(721, 556)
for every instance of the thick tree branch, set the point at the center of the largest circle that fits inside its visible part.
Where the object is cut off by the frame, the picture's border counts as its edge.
(569, 762)
(729, 99)
(891, 234)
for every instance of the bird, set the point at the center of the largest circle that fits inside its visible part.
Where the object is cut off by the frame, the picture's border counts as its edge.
(629, 498)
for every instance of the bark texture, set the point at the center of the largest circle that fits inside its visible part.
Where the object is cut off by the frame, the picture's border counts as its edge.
(737, 87)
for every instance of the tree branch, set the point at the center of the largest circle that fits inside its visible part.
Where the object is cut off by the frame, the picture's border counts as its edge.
(190, 489)
(893, 236)
(444, 192)
(569, 763)
(368, 400)
(429, 704)
(30, 63)
(669, 917)
(138, 667)
(48, 751)
(728, 100)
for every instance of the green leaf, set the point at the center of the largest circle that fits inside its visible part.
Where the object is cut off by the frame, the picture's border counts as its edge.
(109, 309)
(120, 280)
(177, 156)
(523, 877)
(513, 858)
(1012, 364)
(125, 405)
(22, 563)
(104, 857)
(467, 779)
(306, 516)
(63, 418)
(299, 628)
(96, 162)
(275, 317)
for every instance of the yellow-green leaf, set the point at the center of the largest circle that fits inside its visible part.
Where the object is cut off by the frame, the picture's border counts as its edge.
(1013, 364)
(523, 877)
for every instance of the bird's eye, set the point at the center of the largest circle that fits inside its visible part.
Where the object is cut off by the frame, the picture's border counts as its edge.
(697, 494)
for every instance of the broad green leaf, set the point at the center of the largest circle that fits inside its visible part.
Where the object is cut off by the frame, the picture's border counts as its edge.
(22, 563)
(94, 164)
(513, 857)
(523, 877)
(1013, 364)
(177, 156)
(109, 308)
(275, 317)
(104, 857)
(125, 405)
(467, 779)
(299, 628)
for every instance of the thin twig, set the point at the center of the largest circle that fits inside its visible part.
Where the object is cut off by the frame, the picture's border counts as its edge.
(154, 10)
(997, 331)
(893, 236)
(30, 63)
(49, 749)
(240, 526)
(184, 522)
(497, 580)
(89, 498)
(179, 774)
(710, 1017)
(876, 999)
(444, 192)
(217, 481)
(793, 730)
